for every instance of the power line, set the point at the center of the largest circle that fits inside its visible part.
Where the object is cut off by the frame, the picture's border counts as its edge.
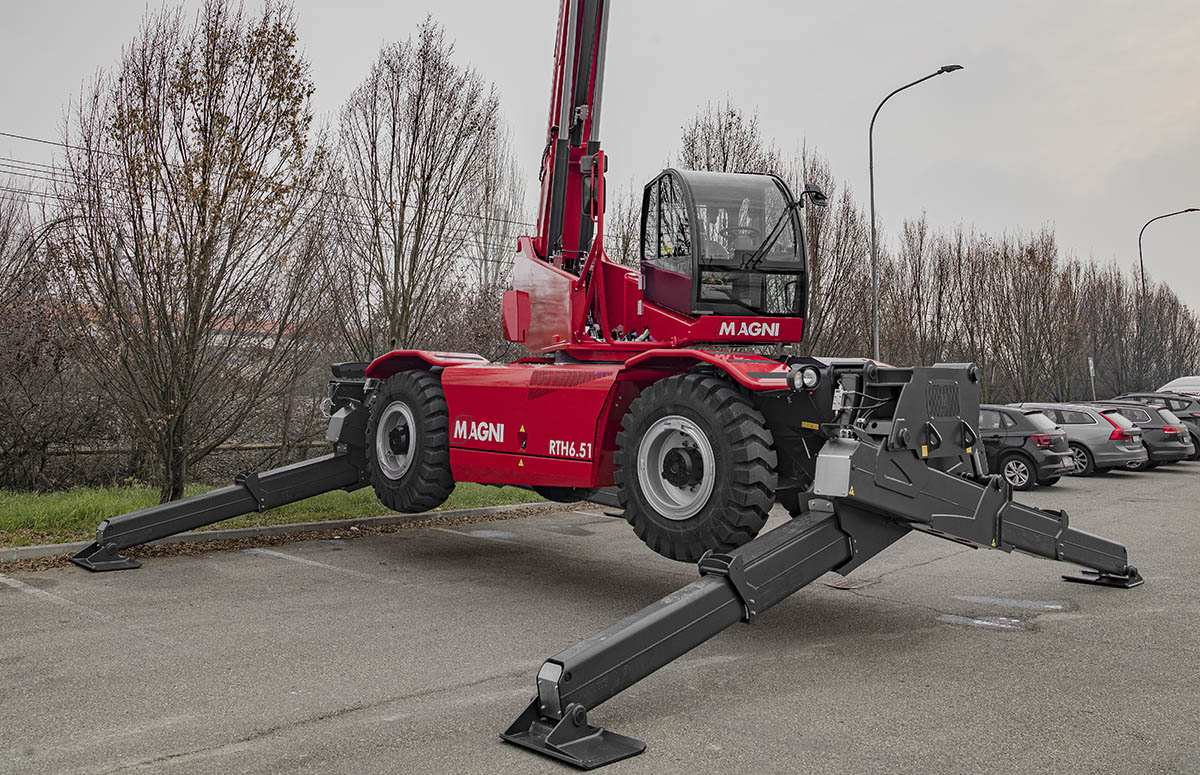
(26, 197)
(513, 221)
(57, 175)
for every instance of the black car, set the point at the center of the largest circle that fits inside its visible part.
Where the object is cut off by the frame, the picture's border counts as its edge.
(1024, 446)
(1185, 407)
(1163, 433)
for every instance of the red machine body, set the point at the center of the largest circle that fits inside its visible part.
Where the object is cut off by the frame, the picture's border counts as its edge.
(539, 422)
(552, 419)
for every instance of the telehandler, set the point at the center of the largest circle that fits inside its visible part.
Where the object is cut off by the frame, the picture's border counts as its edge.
(620, 399)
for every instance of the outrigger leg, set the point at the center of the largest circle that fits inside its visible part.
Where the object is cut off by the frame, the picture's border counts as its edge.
(344, 469)
(873, 495)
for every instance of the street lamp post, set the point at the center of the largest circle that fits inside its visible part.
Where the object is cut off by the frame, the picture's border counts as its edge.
(1142, 272)
(871, 165)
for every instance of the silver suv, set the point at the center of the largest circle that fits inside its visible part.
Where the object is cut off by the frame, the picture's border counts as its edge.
(1101, 438)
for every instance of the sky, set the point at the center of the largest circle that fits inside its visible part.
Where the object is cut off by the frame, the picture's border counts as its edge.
(1084, 116)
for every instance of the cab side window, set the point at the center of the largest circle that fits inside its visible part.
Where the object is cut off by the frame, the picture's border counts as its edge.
(650, 228)
(674, 234)
(989, 420)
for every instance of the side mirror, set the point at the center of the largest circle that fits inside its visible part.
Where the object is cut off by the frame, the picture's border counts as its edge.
(814, 194)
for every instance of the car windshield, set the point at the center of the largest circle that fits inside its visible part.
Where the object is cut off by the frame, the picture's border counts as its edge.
(738, 213)
(1041, 421)
(1168, 416)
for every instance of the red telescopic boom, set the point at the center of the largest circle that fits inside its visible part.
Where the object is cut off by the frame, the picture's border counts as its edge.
(564, 228)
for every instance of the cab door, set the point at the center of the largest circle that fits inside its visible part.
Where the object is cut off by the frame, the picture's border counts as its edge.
(667, 250)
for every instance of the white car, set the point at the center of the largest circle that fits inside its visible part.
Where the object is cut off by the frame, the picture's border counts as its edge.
(1187, 385)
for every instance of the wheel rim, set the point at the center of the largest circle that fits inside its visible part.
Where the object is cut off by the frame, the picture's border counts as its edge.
(1017, 473)
(676, 468)
(394, 440)
(1080, 460)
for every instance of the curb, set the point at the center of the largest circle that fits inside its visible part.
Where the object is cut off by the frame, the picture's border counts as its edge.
(199, 536)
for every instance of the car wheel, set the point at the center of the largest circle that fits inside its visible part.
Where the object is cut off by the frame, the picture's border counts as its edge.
(1017, 471)
(1085, 465)
(1195, 448)
(1049, 481)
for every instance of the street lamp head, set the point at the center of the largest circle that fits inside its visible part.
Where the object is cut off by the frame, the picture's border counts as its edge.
(949, 68)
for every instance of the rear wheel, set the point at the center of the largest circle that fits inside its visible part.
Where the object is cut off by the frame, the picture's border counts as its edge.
(1195, 448)
(1049, 481)
(1017, 471)
(696, 467)
(1085, 465)
(408, 442)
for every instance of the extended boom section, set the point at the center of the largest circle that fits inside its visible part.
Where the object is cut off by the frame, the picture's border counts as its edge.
(897, 455)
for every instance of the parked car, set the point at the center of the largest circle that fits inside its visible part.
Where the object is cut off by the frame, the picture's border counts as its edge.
(1185, 407)
(1100, 438)
(1166, 439)
(1186, 385)
(1024, 446)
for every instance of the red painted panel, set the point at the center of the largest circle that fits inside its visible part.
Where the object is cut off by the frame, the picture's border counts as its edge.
(541, 410)
(471, 465)
(402, 360)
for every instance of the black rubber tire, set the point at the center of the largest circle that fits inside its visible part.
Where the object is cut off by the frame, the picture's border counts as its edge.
(744, 462)
(1031, 479)
(427, 482)
(1089, 467)
(1195, 448)
(1049, 481)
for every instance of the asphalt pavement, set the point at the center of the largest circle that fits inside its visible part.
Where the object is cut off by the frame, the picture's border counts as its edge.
(409, 652)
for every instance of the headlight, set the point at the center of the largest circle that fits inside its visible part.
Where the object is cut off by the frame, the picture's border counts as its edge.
(804, 378)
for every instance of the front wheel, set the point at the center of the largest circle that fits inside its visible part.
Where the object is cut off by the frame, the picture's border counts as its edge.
(696, 467)
(408, 443)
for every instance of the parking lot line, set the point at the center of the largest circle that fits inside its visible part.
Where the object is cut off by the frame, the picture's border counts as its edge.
(90, 613)
(326, 566)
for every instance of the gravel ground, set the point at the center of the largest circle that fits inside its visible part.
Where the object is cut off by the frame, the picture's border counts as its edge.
(407, 651)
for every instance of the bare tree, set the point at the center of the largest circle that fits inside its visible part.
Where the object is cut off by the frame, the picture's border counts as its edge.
(417, 150)
(190, 192)
(839, 300)
(498, 202)
(723, 138)
(623, 224)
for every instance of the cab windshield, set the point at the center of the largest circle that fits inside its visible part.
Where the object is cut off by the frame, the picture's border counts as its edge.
(739, 217)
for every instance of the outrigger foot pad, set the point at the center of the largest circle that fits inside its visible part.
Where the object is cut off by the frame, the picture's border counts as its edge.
(571, 739)
(106, 557)
(1127, 580)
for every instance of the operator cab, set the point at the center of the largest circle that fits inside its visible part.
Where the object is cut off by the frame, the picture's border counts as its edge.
(720, 243)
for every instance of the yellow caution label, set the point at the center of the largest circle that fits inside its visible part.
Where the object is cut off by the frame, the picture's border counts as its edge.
(520, 464)
(851, 489)
(523, 430)
(993, 542)
(924, 450)
(968, 450)
(812, 426)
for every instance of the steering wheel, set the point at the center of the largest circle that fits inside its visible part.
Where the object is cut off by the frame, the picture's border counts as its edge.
(733, 232)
